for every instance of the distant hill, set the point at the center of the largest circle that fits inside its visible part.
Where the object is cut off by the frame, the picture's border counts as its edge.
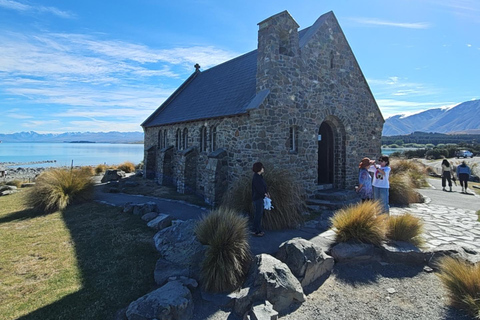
(99, 137)
(461, 119)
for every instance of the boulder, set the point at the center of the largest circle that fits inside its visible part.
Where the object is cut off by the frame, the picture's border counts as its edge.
(164, 270)
(353, 251)
(307, 261)
(142, 208)
(263, 311)
(8, 188)
(455, 251)
(113, 175)
(269, 279)
(170, 302)
(160, 222)
(179, 245)
(403, 252)
(149, 216)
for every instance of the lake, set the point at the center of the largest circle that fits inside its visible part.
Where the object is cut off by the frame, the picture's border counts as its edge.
(82, 154)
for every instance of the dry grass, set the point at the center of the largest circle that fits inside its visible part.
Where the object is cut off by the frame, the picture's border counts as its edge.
(55, 189)
(462, 282)
(362, 222)
(416, 171)
(228, 255)
(406, 228)
(402, 191)
(85, 262)
(287, 199)
(127, 167)
(101, 168)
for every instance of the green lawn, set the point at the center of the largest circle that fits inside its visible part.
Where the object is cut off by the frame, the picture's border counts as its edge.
(86, 262)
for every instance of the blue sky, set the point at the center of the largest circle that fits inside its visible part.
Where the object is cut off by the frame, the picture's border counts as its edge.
(107, 65)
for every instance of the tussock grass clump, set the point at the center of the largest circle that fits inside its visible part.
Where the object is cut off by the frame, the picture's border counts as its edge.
(228, 256)
(127, 167)
(462, 282)
(55, 189)
(287, 199)
(362, 222)
(416, 171)
(100, 168)
(16, 183)
(406, 228)
(402, 191)
(87, 170)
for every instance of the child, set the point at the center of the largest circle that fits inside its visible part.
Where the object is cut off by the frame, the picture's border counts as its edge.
(381, 185)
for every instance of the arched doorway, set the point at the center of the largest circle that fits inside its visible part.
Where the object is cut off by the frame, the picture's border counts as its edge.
(325, 154)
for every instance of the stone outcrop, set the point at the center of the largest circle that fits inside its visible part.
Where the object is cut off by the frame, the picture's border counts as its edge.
(307, 261)
(173, 301)
(113, 175)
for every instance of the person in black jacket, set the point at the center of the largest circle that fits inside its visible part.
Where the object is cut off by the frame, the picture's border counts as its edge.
(259, 192)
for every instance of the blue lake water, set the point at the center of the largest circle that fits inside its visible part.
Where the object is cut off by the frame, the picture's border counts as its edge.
(82, 154)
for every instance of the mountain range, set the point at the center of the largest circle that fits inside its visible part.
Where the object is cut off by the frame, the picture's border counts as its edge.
(461, 119)
(99, 137)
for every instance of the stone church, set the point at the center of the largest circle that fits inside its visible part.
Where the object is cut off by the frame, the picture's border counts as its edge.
(299, 101)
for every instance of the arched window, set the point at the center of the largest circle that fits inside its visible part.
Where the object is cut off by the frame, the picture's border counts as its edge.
(165, 138)
(203, 139)
(213, 138)
(185, 138)
(160, 140)
(178, 139)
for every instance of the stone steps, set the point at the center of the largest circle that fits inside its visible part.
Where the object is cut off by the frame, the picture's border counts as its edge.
(332, 199)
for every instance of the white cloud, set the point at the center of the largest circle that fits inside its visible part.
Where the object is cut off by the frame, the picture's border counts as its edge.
(378, 22)
(24, 8)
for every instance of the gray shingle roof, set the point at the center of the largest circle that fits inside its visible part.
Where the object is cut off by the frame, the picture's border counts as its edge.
(224, 90)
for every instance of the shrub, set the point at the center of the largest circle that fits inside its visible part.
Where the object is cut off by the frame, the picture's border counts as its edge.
(287, 199)
(88, 170)
(228, 256)
(17, 183)
(462, 282)
(402, 191)
(406, 228)
(127, 167)
(100, 168)
(54, 189)
(415, 171)
(361, 223)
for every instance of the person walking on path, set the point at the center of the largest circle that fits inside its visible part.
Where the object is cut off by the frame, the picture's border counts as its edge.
(365, 180)
(381, 185)
(447, 174)
(259, 192)
(463, 174)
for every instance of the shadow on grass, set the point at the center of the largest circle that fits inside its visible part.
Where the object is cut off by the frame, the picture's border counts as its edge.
(20, 216)
(116, 257)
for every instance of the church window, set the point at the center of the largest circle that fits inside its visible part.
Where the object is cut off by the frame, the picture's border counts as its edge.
(185, 138)
(178, 139)
(160, 139)
(203, 139)
(213, 138)
(285, 45)
(165, 138)
(293, 139)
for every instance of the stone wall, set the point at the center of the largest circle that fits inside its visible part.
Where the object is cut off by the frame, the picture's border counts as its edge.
(310, 83)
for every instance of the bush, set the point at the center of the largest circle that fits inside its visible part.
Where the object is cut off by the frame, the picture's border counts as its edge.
(100, 168)
(87, 170)
(228, 257)
(287, 199)
(416, 171)
(462, 282)
(402, 191)
(55, 189)
(406, 228)
(17, 183)
(127, 167)
(362, 222)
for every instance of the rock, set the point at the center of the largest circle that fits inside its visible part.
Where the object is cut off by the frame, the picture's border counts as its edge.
(142, 208)
(263, 311)
(8, 188)
(7, 192)
(27, 184)
(307, 261)
(173, 301)
(113, 175)
(353, 251)
(128, 207)
(149, 216)
(178, 244)
(269, 279)
(129, 184)
(164, 270)
(403, 252)
(455, 251)
(160, 222)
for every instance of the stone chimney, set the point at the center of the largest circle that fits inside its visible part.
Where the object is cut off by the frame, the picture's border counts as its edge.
(277, 47)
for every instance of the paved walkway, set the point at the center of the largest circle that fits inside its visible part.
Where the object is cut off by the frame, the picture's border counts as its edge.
(449, 217)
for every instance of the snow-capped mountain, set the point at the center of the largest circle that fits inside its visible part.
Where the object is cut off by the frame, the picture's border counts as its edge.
(463, 118)
(100, 137)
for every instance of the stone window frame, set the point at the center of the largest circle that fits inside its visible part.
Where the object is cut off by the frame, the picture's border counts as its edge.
(285, 43)
(185, 139)
(178, 139)
(213, 138)
(165, 140)
(203, 139)
(293, 139)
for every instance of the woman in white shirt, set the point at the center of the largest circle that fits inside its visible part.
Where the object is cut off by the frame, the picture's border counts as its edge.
(381, 185)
